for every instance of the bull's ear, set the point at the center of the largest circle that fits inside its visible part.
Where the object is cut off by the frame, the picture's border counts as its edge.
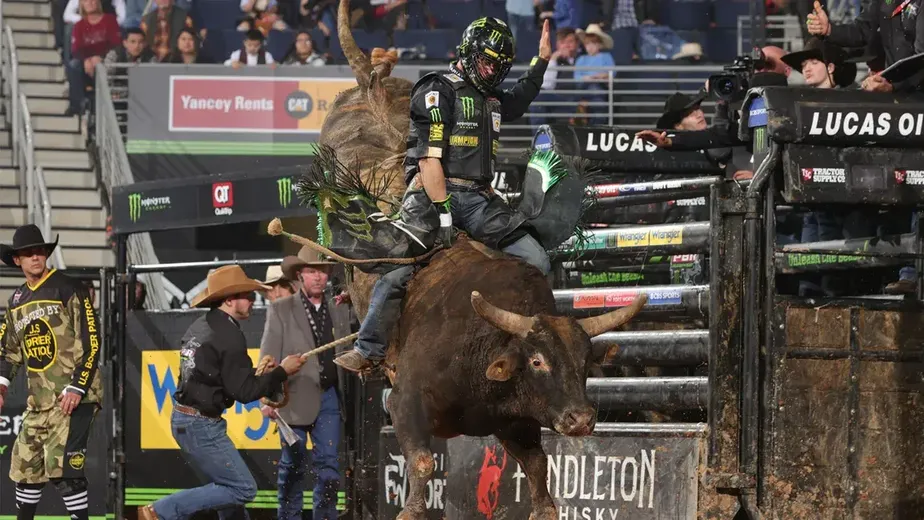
(504, 367)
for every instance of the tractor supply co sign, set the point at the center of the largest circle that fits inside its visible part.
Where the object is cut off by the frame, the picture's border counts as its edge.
(233, 104)
(590, 478)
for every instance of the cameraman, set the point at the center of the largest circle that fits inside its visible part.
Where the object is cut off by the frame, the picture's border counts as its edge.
(724, 131)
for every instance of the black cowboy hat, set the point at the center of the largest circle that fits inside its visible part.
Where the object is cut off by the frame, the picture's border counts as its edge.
(845, 71)
(25, 237)
(676, 108)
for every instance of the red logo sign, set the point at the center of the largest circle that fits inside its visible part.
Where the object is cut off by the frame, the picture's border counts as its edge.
(900, 176)
(488, 492)
(222, 195)
(807, 174)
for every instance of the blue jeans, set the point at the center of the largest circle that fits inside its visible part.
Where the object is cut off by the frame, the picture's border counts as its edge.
(206, 446)
(293, 465)
(77, 83)
(468, 213)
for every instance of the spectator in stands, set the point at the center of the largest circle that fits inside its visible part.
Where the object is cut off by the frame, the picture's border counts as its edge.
(630, 13)
(824, 65)
(566, 14)
(690, 53)
(279, 285)
(302, 52)
(521, 16)
(385, 15)
(318, 13)
(188, 49)
(253, 53)
(566, 49)
(72, 11)
(133, 50)
(262, 15)
(94, 35)
(163, 26)
(595, 40)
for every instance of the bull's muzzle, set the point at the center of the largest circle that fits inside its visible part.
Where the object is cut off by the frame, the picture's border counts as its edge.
(576, 422)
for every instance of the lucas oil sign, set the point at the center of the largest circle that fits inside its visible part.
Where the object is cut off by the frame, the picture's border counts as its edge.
(589, 478)
(247, 427)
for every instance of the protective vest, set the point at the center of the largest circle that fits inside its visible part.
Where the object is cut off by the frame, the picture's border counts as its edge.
(52, 330)
(474, 131)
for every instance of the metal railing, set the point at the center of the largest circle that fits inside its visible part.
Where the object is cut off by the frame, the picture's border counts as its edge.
(33, 192)
(115, 171)
(39, 198)
(784, 31)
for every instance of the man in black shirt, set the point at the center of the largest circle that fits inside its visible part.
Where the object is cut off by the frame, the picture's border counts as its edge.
(216, 371)
(296, 324)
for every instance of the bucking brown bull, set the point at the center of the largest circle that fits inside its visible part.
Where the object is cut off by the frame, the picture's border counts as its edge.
(479, 349)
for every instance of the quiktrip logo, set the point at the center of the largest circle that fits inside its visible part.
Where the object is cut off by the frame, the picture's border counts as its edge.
(223, 198)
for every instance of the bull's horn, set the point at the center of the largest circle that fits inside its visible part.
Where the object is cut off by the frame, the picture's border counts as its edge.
(609, 321)
(358, 61)
(504, 320)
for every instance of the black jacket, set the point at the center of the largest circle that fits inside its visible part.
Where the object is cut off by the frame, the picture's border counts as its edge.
(215, 370)
(902, 35)
(453, 121)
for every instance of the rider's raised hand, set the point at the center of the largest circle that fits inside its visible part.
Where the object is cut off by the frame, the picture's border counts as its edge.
(545, 42)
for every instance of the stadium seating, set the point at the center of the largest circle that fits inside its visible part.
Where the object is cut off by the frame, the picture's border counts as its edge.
(686, 14)
(437, 42)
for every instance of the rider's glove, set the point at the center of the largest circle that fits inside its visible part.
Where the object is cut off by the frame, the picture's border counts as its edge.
(443, 208)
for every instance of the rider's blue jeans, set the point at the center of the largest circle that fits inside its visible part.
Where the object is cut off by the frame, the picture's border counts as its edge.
(468, 212)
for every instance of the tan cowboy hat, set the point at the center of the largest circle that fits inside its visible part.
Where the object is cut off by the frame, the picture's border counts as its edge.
(597, 30)
(223, 282)
(307, 257)
(274, 275)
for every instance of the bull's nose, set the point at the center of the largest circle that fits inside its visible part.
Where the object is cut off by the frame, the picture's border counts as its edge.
(577, 422)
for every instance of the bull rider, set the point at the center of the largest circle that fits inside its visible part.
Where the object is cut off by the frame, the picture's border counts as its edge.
(452, 145)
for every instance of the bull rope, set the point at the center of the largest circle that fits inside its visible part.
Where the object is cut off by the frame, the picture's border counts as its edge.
(275, 228)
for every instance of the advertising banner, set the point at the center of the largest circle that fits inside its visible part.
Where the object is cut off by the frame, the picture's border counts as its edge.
(393, 476)
(203, 201)
(603, 476)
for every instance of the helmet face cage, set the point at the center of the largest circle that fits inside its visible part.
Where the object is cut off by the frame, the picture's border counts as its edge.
(486, 44)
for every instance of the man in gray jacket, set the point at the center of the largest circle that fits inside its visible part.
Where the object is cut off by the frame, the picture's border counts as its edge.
(294, 325)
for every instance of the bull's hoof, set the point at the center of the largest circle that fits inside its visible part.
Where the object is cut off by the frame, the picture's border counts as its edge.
(544, 513)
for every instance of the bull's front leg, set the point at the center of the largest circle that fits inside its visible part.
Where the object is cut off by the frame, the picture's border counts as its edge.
(413, 435)
(524, 442)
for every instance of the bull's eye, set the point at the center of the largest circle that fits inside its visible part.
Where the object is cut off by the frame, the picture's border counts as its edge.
(537, 363)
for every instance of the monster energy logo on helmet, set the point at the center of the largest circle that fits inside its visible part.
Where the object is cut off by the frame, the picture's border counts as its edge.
(284, 187)
(486, 53)
(468, 107)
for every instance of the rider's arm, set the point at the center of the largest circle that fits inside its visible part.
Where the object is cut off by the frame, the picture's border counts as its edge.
(10, 353)
(430, 115)
(432, 178)
(712, 137)
(515, 101)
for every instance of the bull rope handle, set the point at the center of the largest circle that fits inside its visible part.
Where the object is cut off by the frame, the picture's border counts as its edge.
(264, 363)
(275, 228)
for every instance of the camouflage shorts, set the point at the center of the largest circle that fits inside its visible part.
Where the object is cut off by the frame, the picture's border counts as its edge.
(52, 445)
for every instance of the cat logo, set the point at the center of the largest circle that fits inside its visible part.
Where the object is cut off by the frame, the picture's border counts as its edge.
(76, 461)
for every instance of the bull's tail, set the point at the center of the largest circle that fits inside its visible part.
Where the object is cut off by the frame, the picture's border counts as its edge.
(381, 62)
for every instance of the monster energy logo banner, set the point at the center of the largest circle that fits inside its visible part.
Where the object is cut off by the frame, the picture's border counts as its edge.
(435, 115)
(468, 107)
(284, 187)
(137, 203)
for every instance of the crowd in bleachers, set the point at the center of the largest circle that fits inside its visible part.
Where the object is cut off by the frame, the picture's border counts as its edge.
(258, 32)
